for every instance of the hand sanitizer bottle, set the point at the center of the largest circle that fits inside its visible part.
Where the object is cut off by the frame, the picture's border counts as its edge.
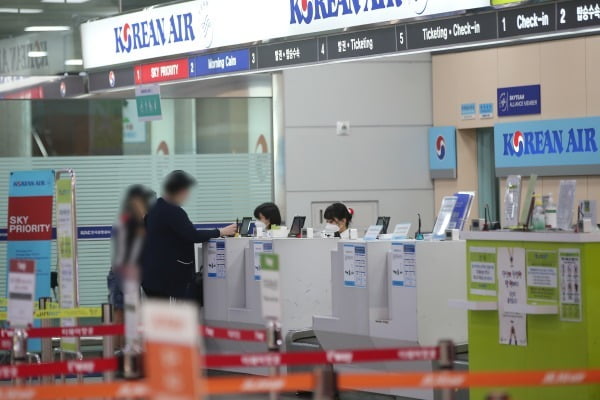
(550, 213)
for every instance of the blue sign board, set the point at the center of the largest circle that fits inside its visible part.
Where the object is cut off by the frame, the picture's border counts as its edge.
(442, 152)
(552, 147)
(519, 100)
(486, 110)
(468, 111)
(219, 63)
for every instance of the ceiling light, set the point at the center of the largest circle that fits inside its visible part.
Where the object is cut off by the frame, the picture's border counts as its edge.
(65, 2)
(74, 61)
(21, 10)
(50, 28)
(37, 54)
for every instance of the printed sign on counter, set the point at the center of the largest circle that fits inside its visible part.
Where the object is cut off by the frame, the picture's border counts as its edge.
(401, 231)
(482, 272)
(270, 286)
(216, 267)
(512, 288)
(21, 291)
(355, 265)
(570, 285)
(513, 328)
(260, 248)
(542, 277)
(404, 264)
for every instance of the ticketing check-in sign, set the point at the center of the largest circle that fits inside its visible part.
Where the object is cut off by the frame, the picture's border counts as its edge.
(172, 363)
(442, 152)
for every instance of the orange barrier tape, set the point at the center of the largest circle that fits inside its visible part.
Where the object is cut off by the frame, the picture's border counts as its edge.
(129, 390)
(290, 383)
(441, 380)
(306, 381)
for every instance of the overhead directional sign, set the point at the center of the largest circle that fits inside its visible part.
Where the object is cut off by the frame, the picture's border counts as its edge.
(485, 27)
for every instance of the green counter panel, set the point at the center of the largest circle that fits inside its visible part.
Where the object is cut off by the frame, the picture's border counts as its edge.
(552, 344)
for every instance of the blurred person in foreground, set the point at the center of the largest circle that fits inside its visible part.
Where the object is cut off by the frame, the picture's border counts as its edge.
(127, 241)
(168, 256)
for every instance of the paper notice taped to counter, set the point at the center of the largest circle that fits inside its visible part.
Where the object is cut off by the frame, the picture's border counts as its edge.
(570, 285)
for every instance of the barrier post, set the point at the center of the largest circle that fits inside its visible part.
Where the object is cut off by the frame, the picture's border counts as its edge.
(274, 342)
(108, 348)
(446, 363)
(325, 384)
(19, 350)
(497, 396)
(47, 354)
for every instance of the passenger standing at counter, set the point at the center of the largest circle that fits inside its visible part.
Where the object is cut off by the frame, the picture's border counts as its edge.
(267, 215)
(168, 256)
(339, 217)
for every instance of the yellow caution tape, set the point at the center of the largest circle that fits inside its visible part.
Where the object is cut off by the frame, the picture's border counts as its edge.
(55, 313)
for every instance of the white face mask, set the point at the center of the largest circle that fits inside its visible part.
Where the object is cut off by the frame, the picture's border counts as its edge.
(331, 228)
(260, 224)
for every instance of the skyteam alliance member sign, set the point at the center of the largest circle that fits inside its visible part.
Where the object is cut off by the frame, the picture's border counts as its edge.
(519, 100)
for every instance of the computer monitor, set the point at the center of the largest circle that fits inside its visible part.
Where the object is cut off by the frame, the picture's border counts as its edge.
(296, 228)
(245, 226)
(385, 222)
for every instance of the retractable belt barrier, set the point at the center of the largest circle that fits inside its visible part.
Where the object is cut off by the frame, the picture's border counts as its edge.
(116, 330)
(83, 367)
(306, 382)
(234, 360)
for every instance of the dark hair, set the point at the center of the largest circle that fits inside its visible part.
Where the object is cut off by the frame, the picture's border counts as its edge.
(141, 192)
(177, 181)
(270, 211)
(338, 211)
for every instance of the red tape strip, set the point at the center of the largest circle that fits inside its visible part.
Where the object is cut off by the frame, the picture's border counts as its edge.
(233, 334)
(59, 368)
(323, 357)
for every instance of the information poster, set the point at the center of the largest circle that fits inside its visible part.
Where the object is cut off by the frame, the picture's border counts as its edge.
(270, 286)
(482, 271)
(30, 199)
(512, 288)
(570, 285)
(65, 241)
(513, 328)
(542, 277)
(355, 265)
(21, 289)
(512, 291)
(216, 259)
(260, 248)
(404, 264)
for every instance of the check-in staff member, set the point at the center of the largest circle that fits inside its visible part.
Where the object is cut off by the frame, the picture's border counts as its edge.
(168, 254)
(267, 215)
(338, 218)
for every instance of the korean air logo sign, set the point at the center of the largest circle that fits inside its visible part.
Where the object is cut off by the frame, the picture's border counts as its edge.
(550, 142)
(165, 30)
(440, 147)
(307, 11)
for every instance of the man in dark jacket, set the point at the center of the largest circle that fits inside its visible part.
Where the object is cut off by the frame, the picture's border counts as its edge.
(168, 254)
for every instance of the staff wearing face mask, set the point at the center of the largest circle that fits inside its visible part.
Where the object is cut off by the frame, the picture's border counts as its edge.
(267, 215)
(338, 218)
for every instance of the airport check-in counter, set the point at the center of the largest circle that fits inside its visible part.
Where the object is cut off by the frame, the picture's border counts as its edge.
(394, 294)
(232, 285)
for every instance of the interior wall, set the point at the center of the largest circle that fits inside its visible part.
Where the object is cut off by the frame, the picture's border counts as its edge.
(567, 71)
(384, 158)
